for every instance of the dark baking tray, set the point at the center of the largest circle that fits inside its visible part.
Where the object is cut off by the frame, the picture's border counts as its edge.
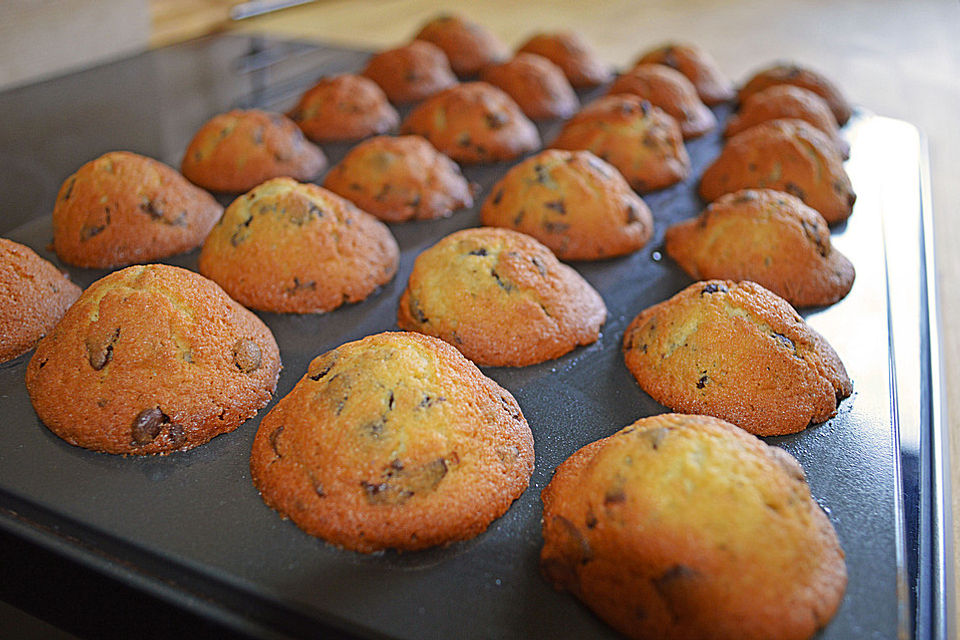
(190, 528)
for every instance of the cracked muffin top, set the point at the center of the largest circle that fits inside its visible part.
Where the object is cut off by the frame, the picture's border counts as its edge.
(33, 297)
(538, 86)
(395, 441)
(297, 248)
(799, 76)
(124, 208)
(686, 527)
(235, 151)
(573, 202)
(671, 91)
(501, 298)
(737, 352)
(149, 360)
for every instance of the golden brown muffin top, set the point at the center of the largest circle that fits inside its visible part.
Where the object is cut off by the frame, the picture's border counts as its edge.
(400, 178)
(297, 248)
(572, 54)
(537, 85)
(474, 122)
(712, 85)
(123, 208)
(235, 151)
(639, 139)
(768, 237)
(572, 201)
(33, 297)
(787, 101)
(738, 352)
(344, 107)
(500, 297)
(682, 526)
(468, 45)
(152, 359)
(412, 72)
(794, 74)
(393, 441)
(671, 91)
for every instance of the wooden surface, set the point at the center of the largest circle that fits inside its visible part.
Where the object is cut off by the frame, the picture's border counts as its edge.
(895, 58)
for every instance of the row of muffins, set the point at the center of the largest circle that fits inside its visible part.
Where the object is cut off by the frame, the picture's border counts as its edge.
(399, 480)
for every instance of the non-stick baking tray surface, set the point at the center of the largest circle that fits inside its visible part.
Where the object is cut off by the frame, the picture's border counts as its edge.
(191, 527)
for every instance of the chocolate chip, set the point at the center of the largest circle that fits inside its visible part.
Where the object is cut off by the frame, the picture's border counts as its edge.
(784, 340)
(414, 307)
(298, 286)
(428, 401)
(713, 287)
(519, 218)
(100, 353)
(794, 189)
(275, 440)
(66, 194)
(539, 265)
(614, 496)
(151, 208)
(496, 120)
(322, 372)
(556, 205)
(506, 285)
(633, 212)
(702, 382)
(478, 252)
(247, 355)
(498, 196)
(556, 227)
(814, 236)
(147, 426)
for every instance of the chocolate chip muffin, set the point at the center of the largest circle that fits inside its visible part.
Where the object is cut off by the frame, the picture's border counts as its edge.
(796, 75)
(474, 122)
(786, 155)
(412, 72)
(399, 179)
(787, 101)
(671, 91)
(395, 441)
(768, 237)
(33, 298)
(700, 68)
(124, 208)
(288, 247)
(469, 46)
(572, 54)
(573, 202)
(685, 527)
(737, 352)
(344, 107)
(152, 359)
(501, 298)
(538, 86)
(236, 151)
(640, 140)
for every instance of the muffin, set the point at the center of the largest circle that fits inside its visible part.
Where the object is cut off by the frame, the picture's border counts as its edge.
(469, 46)
(124, 208)
(573, 202)
(344, 107)
(474, 122)
(786, 155)
(536, 84)
(786, 73)
(671, 91)
(768, 237)
(395, 441)
(33, 298)
(297, 248)
(152, 359)
(236, 151)
(501, 298)
(698, 66)
(640, 140)
(787, 101)
(412, 72)
(737, 352)
(685, 527)
(572, 54)
(399, 179)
